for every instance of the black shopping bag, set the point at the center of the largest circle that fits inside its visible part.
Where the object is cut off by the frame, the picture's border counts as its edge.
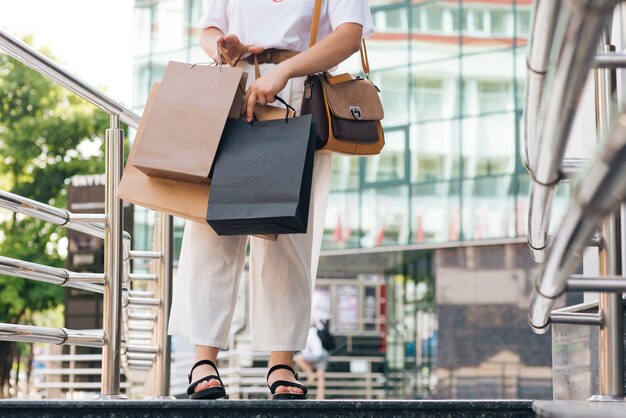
(261, 181)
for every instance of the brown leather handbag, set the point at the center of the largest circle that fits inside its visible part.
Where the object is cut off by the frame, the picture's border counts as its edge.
(345, 107)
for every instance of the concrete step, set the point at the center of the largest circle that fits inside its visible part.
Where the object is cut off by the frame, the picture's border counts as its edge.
(263, 408)
(580, 409)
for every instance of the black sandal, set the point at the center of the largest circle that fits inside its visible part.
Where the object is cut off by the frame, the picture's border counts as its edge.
(278, 383)
(214, 392)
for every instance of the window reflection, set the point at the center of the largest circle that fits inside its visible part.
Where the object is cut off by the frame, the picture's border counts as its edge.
(390, 164)
(435, 151)
(488, 210)
(435, 212)
(384, 216)
(452, 81)
(341, 225)
(488, 142)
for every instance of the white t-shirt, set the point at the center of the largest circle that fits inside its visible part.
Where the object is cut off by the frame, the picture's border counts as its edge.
(283, 24)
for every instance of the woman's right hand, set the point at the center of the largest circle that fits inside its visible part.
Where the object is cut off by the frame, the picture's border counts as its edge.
(234, 48)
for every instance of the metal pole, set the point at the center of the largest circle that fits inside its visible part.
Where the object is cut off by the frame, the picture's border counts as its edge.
(163, 358)
(611, 349)
(113, 263)
(576, 318)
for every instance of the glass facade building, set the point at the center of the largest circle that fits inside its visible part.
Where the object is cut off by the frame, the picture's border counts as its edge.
(452, 80)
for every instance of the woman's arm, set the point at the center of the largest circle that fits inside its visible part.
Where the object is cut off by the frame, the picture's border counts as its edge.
(327, 53)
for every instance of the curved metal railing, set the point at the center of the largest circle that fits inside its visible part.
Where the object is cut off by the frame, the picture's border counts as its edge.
(599, 194)
(145, 343)
(596, 197)
(545, 14)
(576, 38)
(44, 66)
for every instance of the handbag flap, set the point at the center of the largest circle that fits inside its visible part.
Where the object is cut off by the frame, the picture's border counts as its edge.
(352, 98)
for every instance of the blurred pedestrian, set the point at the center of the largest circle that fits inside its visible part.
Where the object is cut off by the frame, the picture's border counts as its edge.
(314, 358)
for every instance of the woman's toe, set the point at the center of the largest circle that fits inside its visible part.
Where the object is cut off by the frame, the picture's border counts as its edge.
(201, 386)
(214, 382)
(283, 389)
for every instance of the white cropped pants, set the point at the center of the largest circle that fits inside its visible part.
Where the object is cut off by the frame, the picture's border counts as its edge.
(282, 272)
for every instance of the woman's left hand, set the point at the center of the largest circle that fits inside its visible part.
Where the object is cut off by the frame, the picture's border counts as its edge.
(264, 90)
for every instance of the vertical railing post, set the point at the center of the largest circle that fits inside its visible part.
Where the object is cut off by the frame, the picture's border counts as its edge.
(611, 342)
(113, 263)
(163, 359)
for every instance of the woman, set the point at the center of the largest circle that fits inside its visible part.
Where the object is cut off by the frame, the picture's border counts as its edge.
(282, 273)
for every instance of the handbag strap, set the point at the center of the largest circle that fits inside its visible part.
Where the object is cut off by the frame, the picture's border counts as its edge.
(315, 23)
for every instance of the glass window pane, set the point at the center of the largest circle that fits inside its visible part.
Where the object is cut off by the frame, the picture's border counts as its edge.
(493, 96)
(521, 207)
(142, 30)
(488, 82)
(169, 26)
(435, 150)
(345, 173)
(455, 19)
(488, 145)
(436, 212)
(522, 22)
(489, 211)
(435, 90)
(341, 225)
(435, 31)
(393, 84)
(500, 22)
(384, 214)
(391, 20)
(418, 19)
(390, 164)
(434, 18)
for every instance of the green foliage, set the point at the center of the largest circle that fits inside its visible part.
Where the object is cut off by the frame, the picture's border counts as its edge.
(42, 131)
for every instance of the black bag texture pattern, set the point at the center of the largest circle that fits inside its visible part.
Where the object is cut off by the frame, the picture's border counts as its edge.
(261, 179)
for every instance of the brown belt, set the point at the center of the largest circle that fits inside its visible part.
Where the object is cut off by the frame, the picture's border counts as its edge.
(272, 56)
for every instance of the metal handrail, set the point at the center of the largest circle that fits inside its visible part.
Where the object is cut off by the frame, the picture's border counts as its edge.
(598, 194)
(43, 65)
(546, 13)
(59, 336)
(58, 276)
(62, 217)
(577, 40)
(107, 226)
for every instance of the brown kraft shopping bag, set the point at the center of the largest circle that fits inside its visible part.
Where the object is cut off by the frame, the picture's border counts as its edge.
(178, 198)
(183, 129)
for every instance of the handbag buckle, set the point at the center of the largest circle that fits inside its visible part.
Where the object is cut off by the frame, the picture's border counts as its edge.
(356, 112)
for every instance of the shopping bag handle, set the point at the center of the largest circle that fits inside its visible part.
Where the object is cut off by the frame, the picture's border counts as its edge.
(287, 108)
(222, 52)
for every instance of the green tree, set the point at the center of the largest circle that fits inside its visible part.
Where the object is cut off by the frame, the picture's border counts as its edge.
(42, 127)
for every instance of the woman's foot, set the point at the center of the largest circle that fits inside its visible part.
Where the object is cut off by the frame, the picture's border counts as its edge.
(284, 384)
(202, 371)
(282, 374)
(205, 381)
